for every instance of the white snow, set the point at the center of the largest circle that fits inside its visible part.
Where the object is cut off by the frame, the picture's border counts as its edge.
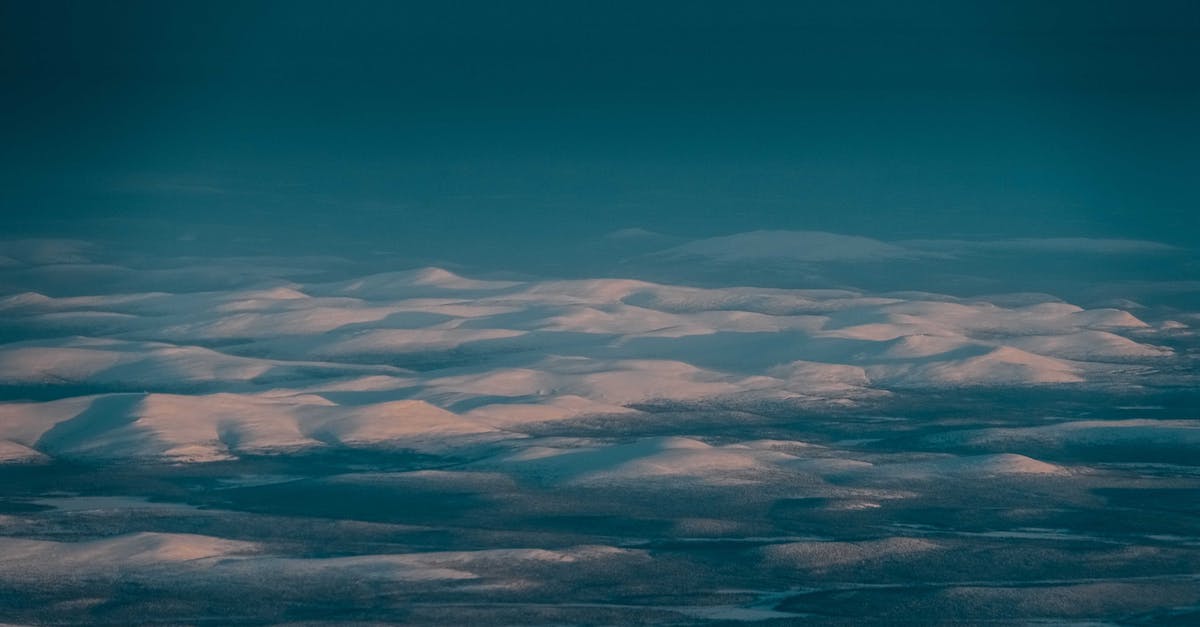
(195, 428)
(1181, 434)
(651, 459)
(822, 556)
(281, 364)
(32, 558)
(245, 563)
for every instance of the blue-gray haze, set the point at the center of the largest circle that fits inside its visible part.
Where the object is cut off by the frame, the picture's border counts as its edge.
(476, 125)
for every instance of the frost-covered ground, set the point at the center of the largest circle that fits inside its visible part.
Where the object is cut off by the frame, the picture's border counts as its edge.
(757, 427)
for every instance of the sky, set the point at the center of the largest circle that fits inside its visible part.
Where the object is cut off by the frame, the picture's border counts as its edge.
(497, 129)
(599, 312)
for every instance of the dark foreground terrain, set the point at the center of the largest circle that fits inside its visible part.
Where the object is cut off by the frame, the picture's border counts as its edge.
(1051, 507)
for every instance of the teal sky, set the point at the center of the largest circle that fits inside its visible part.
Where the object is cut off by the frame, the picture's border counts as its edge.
(528, 125)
